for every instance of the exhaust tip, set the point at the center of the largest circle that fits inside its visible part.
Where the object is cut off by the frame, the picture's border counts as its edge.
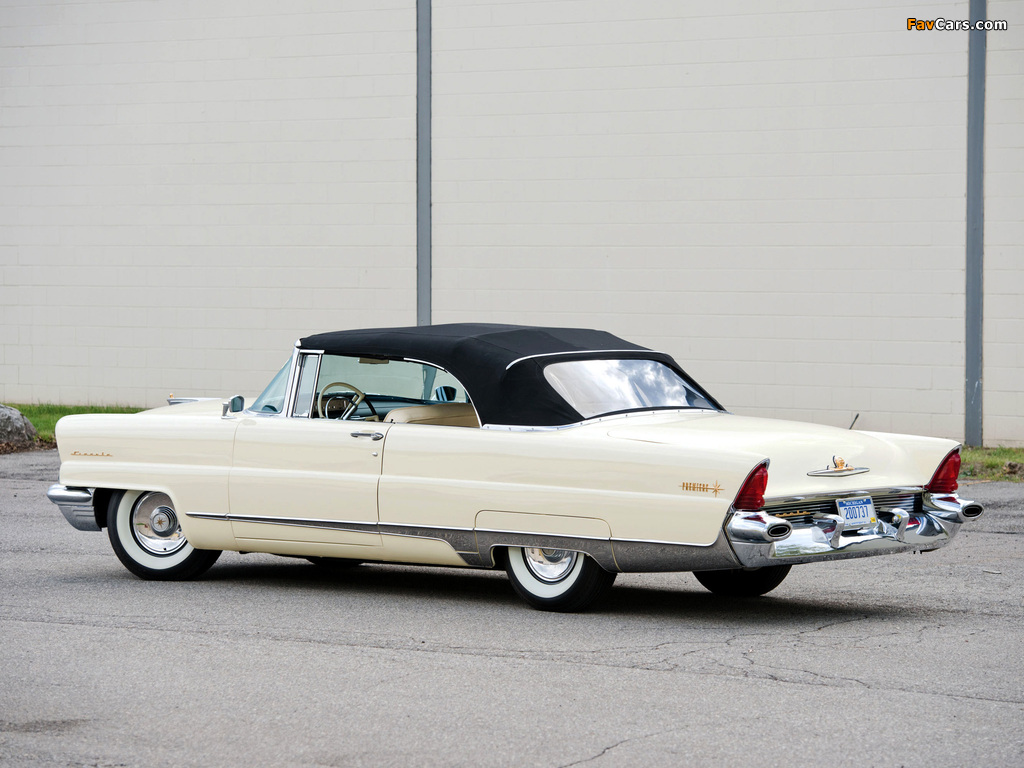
(777, 531)
(972, 511)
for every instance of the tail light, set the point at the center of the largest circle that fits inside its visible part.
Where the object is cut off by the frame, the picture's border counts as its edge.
(944, 479)
(751, 495)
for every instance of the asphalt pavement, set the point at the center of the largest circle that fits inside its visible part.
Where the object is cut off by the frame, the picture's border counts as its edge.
(910, 660)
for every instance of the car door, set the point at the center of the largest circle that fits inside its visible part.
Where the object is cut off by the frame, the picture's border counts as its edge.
(306, 480)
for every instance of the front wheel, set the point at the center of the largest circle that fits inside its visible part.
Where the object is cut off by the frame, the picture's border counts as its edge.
(147, 538)
(743, 583)
(556, 579)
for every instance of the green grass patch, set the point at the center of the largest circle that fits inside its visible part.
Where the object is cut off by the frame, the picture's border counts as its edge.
(992, 464)
(44, 416)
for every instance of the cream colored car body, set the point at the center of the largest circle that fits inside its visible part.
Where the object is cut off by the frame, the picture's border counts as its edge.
(645, 491)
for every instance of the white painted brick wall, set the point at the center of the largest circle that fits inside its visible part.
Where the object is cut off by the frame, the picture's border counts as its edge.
(776, 198)
(1004, 228)
(189, 187)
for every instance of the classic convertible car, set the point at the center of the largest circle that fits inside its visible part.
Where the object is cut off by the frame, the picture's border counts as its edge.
(563, 456)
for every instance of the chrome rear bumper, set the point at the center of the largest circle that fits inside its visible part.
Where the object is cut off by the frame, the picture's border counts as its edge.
(823, 538)
(76, 504)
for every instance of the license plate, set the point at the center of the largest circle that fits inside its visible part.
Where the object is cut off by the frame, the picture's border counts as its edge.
(857, 513)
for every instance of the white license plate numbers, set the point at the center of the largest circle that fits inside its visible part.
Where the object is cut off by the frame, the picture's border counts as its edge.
(857, 513)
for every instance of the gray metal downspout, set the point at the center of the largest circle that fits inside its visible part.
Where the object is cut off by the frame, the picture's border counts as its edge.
(974, 284)
(423, 231)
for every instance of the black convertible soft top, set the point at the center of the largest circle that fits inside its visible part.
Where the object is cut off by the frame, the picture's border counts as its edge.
(501, 366)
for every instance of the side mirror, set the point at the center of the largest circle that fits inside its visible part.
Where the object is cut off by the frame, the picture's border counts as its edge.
(444, 394)
(235, 405)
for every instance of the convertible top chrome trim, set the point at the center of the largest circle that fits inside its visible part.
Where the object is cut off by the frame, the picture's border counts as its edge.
(425, 362)
(583, 352)
(595, 419)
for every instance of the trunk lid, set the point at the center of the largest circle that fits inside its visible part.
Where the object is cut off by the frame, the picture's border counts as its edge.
(796, 448)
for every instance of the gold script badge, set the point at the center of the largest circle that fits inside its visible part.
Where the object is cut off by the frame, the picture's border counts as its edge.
(702, 488)
(85, 453)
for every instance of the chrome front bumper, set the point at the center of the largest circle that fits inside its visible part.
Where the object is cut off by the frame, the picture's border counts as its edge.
(823, 538)
(76, 504)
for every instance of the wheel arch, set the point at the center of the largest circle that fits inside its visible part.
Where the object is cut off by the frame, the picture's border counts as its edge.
(100, 504)
(101, 498)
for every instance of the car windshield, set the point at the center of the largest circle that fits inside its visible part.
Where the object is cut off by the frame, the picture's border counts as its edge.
(600, 387)
(272, 399)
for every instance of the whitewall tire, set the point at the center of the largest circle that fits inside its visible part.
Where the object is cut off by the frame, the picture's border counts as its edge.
(147, 538)
(556, 579)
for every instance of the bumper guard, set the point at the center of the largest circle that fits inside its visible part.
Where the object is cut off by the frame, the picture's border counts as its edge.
(824, 537)
(76, 504)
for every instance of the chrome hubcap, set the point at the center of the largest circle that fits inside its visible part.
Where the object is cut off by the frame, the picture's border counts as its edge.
(550, 565)
(163, 522)
(155, 525)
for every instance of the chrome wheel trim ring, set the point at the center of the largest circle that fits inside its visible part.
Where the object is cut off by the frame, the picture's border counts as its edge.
(549, 565)
(155, 525)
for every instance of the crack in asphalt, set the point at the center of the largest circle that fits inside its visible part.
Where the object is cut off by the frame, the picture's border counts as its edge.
(718, 668)
(42, 726)
(616, 745)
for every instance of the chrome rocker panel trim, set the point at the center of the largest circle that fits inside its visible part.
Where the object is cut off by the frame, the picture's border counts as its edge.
(476, 546)
(824, 538)
(76, 505)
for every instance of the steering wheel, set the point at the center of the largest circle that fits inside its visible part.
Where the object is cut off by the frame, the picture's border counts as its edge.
(360, 396)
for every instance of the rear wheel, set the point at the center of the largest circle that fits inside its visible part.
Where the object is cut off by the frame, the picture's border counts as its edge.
(147, 538)
(556, 579)
(743, 583)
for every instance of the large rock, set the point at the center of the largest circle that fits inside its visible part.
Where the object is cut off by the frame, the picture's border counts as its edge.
(15, 428)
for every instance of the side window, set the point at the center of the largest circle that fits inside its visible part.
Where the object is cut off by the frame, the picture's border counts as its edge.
(308, 365)
(369, 389)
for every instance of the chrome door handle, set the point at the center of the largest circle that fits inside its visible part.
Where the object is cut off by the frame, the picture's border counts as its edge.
(371, 435)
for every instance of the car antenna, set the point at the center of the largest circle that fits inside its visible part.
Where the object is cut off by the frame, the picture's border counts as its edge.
(854, 420)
